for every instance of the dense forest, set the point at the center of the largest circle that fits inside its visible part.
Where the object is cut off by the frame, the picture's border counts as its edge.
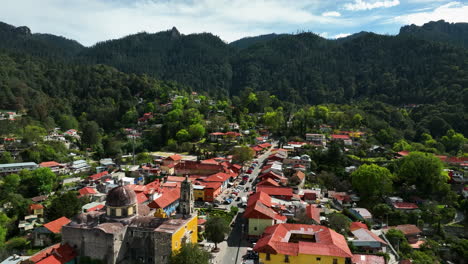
(420, 65)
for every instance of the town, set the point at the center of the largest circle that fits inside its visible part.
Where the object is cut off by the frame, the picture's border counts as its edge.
(255, 198)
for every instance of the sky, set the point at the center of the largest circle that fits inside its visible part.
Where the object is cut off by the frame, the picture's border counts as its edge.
(91, 21)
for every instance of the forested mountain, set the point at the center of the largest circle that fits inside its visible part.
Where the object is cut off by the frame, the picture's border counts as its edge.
(303, 68)
(20, 39)
(244, 43)
(453, 33)
(198, 60)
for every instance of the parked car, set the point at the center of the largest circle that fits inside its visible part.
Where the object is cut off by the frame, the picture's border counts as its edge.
(250, 171)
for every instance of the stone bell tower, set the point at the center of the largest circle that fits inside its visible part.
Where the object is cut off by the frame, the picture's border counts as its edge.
(186, 198)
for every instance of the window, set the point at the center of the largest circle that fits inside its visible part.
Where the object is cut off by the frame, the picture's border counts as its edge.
(118, 212)
(255, 228)
(335, 261)
(318, 259)
(267, 256)
(286, 258)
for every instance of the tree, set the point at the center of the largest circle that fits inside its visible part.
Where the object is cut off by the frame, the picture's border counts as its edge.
(372, 181)
(143, 157)
(401, 145)
(6, 157)
(339, 223)
(4, 223)
(196, 131)
(33, 134)
(423, 170)
(381, 210)
(65, 204)
(216, 230)
(453, 141)
(190, 254)
(39, 181)
(91, 135)
(67, 122)
(183, 135)
(11, 183)
(242, 154)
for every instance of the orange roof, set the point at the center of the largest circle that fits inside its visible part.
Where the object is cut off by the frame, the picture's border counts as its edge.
(340, 137)
(48, 164)
(98, 176)
(212, 185)
(275, 240)
(259, 196)
(268, 182)
(276, 191)
(357, 225)
(36, 206)
(260, 211)
(313, 213)
(95, 208)
(87, 190)
(218, 177)
(56, 225)
(407, 229)
(141, 197)
(175, 179)
(57, 253)
(166, 199)
(299, 174)
(174, 157)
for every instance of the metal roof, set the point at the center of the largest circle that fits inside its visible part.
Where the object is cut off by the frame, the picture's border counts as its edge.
(21, 164)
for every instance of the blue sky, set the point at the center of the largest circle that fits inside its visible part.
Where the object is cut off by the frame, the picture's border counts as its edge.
(90, 21)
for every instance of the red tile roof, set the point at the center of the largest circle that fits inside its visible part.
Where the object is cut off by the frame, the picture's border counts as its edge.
(299, 174)
(260, 211)
(407, 229)
(257, 148)
(276, 191)
(313, 212)
(141, 197)
(57, 253)
(367, 259)
(404, 205)
(340, 136)
(268, 182)
(36, 206)
(166, 199)
(56, 225)
(218, 177)
(98, 176)
(265, 145)
(327, 242)
(217, 134)
(174, 157)
(357, 225)
(271, 174)
(86, 190)
(259, 196)
(48, 164)
(95, 208)
(211, 185)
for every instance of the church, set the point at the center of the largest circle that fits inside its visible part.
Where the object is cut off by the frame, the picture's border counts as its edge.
(128, 232)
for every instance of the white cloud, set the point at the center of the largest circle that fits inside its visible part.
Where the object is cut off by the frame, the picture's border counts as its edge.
(89, 21)
(452, 12)
(331, 14)
(368, 5)
(341, 35)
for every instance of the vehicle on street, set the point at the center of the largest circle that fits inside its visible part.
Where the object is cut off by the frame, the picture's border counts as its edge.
(228, 201)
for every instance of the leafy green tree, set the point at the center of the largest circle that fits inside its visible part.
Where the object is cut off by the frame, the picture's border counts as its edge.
(11, 183)
(5, 157)
(183, 135)
(357, 120)
(398, 240)
(339, 223)
(130, 117)
(196, 131)
(4, 224)
(67, 122)
(242, 154)
(423, 170)
(453, 141)
(17, 244)
(372, 181)
(381, 210)
(91, 135)
(39, 181)
(190, 254)
(143, 157)
(33, 134)
(65, 204)
(216, 229)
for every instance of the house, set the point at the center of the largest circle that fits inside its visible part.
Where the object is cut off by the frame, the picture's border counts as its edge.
(36, 209)
(313, 213)
(87, 191)
(316, 139)
(233, 126)
(367, 259)
(220, 177)
(298, 243)
(54, 166)
(211, 191)
(403, 206)
(361, 214)
(345, 139)
(78, 166)
(55, 254)
(268, 182)
(216, 136)
(303, 160)
(98, 176)
(44, 235)
(411, 232)
(283, 193)
(366, 240)
(297, 179)
(260, 214)
(17, 167)
(168, 201)
(93, 206)
(196, 168)
(169, 163)
(357, 225)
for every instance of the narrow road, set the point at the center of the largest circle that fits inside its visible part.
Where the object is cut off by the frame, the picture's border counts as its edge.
(237, 243)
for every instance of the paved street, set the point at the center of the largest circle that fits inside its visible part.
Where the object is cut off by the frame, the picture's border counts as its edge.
(237, 243)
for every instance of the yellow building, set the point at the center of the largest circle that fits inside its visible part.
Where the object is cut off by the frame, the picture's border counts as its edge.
(260, 214)
(302, 244)
(199, 192)
(186, 232)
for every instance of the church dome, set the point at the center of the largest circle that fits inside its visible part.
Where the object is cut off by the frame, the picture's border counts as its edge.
(121, 196)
